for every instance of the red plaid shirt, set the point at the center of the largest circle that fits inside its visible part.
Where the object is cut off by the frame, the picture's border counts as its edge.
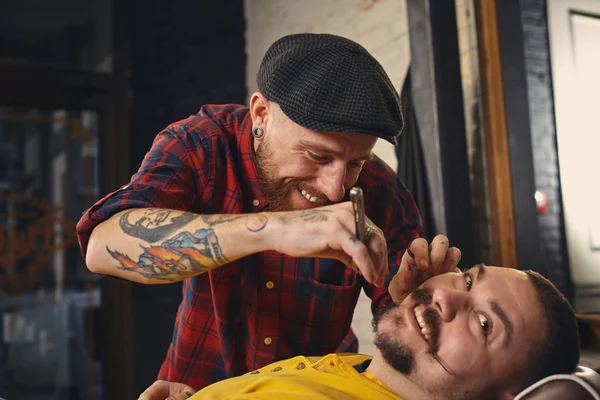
(267, 306)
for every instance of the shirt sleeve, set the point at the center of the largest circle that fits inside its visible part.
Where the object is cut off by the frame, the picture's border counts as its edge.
(400, 221)
(165, 179)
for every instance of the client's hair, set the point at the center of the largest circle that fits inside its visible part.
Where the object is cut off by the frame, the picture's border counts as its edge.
(558, 353)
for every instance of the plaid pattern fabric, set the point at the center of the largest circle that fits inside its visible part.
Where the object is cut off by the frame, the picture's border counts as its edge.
(267, 306)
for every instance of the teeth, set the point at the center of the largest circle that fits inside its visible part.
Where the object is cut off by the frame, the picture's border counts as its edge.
(419, 316)
(308, 197)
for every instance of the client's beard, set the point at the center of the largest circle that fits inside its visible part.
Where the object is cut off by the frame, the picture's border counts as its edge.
(394, 352)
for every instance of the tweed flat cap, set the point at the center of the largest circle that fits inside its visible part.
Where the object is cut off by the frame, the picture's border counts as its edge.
(330, 83)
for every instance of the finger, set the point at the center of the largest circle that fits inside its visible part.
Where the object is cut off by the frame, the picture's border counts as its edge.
(451, 262)
(420, 251)
(403, 281)
(361, 257)
(157, 391)
(378, 249)
(359, 253)
(347, 260)
(400, 285)
(437, 254)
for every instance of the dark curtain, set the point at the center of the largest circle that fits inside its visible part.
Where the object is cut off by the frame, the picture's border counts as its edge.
(411, 163)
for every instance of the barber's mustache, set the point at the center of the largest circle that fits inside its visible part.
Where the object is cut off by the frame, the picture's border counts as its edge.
(431, 317)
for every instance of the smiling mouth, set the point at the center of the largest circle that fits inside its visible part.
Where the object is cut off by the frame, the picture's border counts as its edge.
(425, 329)
(308, 196)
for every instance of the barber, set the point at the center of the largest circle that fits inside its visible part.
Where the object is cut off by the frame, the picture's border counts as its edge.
(247, 205)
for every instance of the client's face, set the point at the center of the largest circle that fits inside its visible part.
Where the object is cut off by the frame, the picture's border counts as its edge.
(461, 333)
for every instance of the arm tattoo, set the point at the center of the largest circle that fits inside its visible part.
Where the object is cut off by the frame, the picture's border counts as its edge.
(212, 220)
(183, 255)
(256, 223)
(307, 216)
(155, 224)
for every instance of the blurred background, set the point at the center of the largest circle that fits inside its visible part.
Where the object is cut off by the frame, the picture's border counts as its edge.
(500, 149)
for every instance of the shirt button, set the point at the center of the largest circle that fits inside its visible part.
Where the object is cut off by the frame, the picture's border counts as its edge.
(255, 203)
(255, 372)
(269, 285)
(268, 341)
(301, 366)
(277, 369)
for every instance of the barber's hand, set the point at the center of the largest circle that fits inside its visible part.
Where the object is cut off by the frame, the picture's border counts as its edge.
(328, 232)
(422, 261)
(163, 390)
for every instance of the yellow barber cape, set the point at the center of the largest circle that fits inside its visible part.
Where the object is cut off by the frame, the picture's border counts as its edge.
(329, 377)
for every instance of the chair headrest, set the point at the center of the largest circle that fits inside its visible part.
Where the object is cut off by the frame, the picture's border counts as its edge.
(583, 384)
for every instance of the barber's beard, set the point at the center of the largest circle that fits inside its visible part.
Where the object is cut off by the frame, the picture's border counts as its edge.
(395, 353)
(277, 191)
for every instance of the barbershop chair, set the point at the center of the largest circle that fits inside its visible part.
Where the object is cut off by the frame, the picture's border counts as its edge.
(583, 384)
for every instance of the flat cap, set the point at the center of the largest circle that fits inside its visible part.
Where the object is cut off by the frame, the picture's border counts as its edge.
(330, 83)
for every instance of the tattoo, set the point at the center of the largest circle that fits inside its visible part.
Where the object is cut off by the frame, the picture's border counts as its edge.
(184, 255)
(256, 223)
(155, 224)
(212, 220)
(188, 394)
(354, 239)
(307, 216)
(216, 252)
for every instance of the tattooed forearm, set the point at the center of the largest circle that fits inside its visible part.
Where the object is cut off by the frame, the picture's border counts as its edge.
(184, 255)
(155, 224)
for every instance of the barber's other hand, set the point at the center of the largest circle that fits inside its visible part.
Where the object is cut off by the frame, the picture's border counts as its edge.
(426, 261)
(163, 390)
(329, 232)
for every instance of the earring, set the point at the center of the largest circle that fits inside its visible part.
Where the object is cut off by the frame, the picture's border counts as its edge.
(258, 132)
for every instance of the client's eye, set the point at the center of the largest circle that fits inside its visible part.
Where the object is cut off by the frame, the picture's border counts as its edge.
(485, 324)
(468, 280)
